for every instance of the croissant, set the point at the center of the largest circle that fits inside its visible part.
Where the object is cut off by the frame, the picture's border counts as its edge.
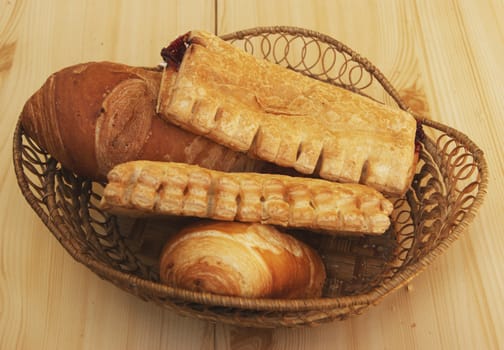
(281, 116)
(95, 115)
(163, 188)
(246, 260)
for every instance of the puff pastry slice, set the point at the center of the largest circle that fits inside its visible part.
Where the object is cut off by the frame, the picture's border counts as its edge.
(164, 188)
(281, 116)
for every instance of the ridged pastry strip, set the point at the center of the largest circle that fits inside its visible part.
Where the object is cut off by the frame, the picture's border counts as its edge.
(164, 188)
(281, 116)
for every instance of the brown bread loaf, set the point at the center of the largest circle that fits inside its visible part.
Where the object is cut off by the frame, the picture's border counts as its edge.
(95, 115)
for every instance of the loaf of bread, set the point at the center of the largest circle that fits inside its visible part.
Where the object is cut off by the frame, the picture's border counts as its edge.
(166, 188)
(245, 260)
(95, 115)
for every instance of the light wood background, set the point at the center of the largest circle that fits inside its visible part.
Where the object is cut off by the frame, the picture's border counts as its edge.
(446, 57)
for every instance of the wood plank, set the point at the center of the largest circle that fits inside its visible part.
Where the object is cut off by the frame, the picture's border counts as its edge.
(442, 57)
(49, 301)
(468, 96)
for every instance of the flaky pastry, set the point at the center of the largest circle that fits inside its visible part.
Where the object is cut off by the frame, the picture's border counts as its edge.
(281, 116)
(164, 188)
(241, 259)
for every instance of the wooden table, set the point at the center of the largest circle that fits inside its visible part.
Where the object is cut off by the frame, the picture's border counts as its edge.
(446, 57)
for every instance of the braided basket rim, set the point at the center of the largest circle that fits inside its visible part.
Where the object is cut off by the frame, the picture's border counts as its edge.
(57, 226)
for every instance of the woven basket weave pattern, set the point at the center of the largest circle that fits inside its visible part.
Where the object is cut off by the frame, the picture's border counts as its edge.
(448, 187)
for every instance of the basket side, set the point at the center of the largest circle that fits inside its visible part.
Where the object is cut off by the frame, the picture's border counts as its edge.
(463, 167)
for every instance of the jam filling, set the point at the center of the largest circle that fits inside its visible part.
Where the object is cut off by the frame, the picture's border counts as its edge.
(174, 52)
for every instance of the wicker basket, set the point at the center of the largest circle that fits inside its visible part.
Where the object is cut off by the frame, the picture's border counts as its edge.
(448, 187)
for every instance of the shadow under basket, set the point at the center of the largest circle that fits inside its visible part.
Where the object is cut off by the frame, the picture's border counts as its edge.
(447, 189)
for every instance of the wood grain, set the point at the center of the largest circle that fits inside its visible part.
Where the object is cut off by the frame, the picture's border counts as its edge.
(445, 58)
(440, 58)
(47, 300)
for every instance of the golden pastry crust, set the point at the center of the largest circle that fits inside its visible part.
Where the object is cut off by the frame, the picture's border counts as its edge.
(163, 188)
(246, 260)
(289, 119)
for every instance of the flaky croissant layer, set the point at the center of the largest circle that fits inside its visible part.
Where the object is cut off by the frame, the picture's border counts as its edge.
(246, 260)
